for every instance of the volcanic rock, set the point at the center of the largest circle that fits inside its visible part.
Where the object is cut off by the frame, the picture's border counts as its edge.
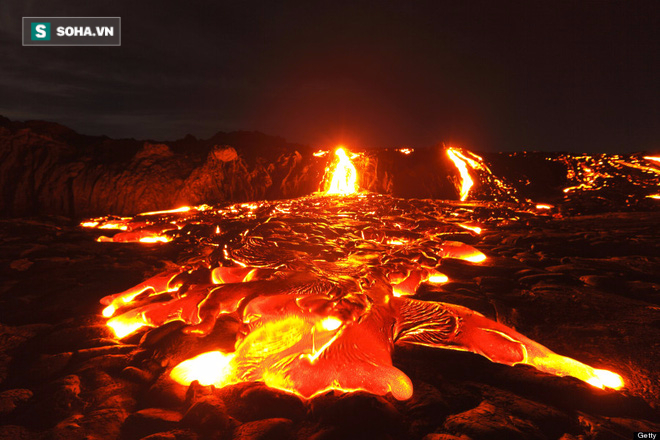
(265, 429)
(137, 375)
(10, 399)
(436, 436)
(490, 422)
(253, 401)
(17, 432)
(104, 423)
(149, 421)
(209, 418)
(166, 393)
(358, 414)
(175, 434)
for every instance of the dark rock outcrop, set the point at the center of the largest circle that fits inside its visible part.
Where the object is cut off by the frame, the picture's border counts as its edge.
(46, 168)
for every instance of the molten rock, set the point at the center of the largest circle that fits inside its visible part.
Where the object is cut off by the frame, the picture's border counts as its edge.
(322, 288)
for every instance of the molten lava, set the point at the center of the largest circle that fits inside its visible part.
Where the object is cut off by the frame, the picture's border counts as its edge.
(324, 289)
(344, 176)
(461, 163)
(601, 172)
(210, 368)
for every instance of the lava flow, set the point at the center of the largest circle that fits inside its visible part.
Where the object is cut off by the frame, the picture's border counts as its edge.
(461, 163)
(471, 168)
(591, 173)
(344, 176)
(323, 289)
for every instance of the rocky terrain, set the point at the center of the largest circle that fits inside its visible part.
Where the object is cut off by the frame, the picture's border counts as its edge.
(586, 286)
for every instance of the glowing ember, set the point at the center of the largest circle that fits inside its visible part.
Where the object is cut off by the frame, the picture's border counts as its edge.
(155, 239)
(544, 206)
(461, 163)
(653, 158)
(344, 176)
(475, 229)
(405, 151)
(324, 293)
(171, 211)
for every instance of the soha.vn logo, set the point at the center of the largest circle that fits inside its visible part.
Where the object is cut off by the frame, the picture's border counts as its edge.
(40, 32)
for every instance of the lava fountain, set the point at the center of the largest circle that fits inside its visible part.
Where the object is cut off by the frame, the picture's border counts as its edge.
(344, 176)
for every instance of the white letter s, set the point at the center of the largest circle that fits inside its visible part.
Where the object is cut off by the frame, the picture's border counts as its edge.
(41, 30)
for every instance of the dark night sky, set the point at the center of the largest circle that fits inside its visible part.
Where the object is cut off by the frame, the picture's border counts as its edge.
(576, 76)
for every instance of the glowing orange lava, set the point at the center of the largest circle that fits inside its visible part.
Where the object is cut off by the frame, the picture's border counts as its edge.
(599, 172)
(543, 206)
(344, 176)
(169, 211)
(210, 368)
(461, 163)
(324, 291)
(473, 228)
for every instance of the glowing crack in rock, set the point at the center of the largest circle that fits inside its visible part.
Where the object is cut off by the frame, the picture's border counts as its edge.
(323, 289)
